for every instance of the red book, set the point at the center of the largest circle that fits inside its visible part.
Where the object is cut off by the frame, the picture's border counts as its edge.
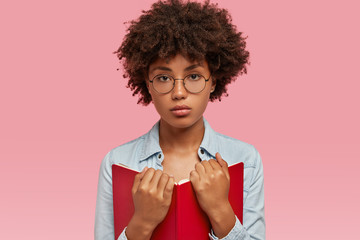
(185, 219)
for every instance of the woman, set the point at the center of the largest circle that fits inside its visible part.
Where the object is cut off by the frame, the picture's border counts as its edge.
(179, 56)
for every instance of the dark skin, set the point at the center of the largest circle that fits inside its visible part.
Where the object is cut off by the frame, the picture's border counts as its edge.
(184, 146)
(180, 138)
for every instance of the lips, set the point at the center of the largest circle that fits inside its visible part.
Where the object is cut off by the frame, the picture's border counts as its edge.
(181, 110)
(182, 107)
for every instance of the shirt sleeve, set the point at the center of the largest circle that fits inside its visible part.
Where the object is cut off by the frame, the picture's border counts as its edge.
(237, 232)
(253, 210)
(104, 217)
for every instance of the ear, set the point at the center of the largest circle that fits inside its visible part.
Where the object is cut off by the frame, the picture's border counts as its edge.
(149, 88)
(147, 82)
(146, 78)
(213, 84)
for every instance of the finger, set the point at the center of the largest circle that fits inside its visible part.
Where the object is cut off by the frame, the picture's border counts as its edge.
(199, 168)
(147, 177)
(142, 173)
(223, 164)
(208, 168)
(169, 189)
(214, 164)
(136, 184)
(155, 179)
(162, 182)
(194, 178)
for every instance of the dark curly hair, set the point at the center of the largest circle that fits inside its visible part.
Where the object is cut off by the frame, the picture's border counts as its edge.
(198, 30)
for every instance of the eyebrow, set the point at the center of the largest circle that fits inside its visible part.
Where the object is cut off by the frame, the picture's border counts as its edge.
(169, 69)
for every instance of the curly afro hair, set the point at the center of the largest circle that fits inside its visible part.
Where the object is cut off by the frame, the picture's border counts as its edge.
(197, 30)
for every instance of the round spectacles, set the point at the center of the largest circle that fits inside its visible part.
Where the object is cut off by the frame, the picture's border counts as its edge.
(193, 83)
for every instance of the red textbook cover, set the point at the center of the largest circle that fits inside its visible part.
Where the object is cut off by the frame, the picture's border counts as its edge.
(185, 219)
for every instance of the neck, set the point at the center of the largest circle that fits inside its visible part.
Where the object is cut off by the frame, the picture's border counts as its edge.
(181, 138)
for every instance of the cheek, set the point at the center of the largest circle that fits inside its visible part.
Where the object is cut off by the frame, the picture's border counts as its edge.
(160, 104)
(202, 101)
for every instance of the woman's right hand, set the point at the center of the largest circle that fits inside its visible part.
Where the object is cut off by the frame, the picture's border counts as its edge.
(152, 194)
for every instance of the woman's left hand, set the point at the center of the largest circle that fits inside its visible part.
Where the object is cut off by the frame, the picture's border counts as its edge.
(211, 182)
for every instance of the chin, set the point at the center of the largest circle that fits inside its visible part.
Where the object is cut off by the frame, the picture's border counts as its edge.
(182, 122)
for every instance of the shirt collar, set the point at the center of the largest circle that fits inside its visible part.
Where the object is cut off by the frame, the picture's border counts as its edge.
(209, 142)
(151, 141)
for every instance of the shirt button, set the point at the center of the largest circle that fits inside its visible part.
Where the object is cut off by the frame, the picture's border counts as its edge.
(159, 155)
(202, 151)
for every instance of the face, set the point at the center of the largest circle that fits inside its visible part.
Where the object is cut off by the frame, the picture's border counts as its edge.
(180, 108)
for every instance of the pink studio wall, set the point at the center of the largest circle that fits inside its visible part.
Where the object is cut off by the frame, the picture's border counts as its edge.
(64, 106)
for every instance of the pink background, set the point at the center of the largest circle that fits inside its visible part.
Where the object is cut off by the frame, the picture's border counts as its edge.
(64, 106)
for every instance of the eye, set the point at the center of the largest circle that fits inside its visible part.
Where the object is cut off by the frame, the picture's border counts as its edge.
(194, 77)
(163, 78)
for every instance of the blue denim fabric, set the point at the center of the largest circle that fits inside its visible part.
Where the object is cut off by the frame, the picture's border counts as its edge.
(146, 151)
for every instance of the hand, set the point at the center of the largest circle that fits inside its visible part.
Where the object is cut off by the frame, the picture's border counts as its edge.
(152, 194)
(211, 182)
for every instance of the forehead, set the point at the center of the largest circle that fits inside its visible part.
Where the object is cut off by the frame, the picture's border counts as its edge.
(178, 62)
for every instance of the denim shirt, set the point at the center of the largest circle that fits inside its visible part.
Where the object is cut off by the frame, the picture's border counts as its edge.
(145, 151)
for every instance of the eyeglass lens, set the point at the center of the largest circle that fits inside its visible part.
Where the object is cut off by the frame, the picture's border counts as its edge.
(193, 83)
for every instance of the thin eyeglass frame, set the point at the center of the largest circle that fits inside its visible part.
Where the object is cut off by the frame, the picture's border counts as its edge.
(183, 79)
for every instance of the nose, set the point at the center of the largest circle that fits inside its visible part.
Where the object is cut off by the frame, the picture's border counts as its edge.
(179, 90)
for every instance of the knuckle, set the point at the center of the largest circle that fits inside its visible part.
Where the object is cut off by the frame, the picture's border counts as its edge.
(218, 173)
(207, 184)
(200, 189)
(152, 192)
(142, 189)
(158, 198)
